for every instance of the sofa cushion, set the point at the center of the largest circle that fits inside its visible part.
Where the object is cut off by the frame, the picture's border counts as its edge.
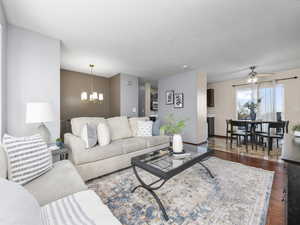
(132, 144)
(133, 124)
(119, 127)
(27, 157)
(81, 208)
(62, 180)
(78, 123)
(156, 140)
(101, 152)
(17, 205)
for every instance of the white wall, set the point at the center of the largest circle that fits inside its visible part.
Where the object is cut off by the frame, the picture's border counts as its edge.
(225, 99)
(129, 86)
(193, 85)
(3, 40)
(33, 75)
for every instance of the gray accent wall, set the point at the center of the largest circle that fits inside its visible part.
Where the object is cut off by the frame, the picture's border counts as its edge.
(193, 85)
(33, 75)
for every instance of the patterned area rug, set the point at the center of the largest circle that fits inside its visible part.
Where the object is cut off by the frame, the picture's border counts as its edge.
(238, 195)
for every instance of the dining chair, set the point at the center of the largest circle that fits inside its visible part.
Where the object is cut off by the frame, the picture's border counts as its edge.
(228, 130)
(287, 126)
(272, 133)
(239, 129)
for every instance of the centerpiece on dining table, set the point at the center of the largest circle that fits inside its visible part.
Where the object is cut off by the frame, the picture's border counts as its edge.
(252, 106)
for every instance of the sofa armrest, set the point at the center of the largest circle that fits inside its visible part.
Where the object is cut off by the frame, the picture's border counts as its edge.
(76, 146)
(3, 162)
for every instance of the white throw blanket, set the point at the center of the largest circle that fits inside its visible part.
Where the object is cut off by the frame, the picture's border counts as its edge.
(82, 208)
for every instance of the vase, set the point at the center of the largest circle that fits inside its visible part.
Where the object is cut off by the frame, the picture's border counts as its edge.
(177, 143)
(252, 115)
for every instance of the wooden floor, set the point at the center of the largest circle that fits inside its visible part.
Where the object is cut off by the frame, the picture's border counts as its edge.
(221, 145)
(276, 212)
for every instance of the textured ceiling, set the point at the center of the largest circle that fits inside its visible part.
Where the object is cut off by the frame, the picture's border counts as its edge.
(155, 38)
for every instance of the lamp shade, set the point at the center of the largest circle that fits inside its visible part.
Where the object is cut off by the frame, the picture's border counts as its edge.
(39, 112)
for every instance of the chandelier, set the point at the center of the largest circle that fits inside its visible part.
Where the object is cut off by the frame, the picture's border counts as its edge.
(93, 96)
(252, 78)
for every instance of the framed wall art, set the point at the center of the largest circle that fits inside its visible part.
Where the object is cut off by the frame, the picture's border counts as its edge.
(169, 97)
(178, 100)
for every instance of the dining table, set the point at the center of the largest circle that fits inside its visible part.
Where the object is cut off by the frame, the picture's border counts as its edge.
(253, 124)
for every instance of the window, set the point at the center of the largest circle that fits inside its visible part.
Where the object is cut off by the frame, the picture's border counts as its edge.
(243, 96)
(271, 106)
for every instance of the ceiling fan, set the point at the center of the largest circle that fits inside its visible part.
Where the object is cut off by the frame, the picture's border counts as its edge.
(253, 76)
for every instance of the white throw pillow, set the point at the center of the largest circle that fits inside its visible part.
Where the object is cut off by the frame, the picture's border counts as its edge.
(89, 135)
(17, 205)
(144, 128)
(133, 124)
(103, 134)
(27, 157)
(119, 128)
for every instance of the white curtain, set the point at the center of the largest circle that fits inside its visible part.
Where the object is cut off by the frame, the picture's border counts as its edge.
(272, 101)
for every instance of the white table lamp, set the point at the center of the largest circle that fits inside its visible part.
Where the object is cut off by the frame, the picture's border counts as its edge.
(40, 112)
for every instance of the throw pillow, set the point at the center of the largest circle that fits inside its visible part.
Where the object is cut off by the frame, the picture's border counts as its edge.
(133, 124)
(27, 157)
(17, 205)
(103, 134)
(119, 128)
(144, 128)
(89, 135)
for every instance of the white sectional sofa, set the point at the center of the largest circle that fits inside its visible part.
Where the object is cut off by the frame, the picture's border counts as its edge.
(58, 197)
(101, 160)
(60, 181)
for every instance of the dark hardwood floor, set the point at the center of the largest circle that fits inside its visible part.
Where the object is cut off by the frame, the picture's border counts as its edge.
(277, 207)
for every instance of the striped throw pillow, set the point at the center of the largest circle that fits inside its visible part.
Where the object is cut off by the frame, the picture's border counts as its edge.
(28, 157)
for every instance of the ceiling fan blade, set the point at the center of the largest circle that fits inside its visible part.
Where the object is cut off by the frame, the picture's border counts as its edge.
(264, 75)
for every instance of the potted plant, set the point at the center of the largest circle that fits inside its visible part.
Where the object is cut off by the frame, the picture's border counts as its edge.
(296, 129)
(174, 129)
(59, 142)
(252, 106)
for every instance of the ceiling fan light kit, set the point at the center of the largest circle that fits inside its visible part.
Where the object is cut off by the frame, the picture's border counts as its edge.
(252, 78)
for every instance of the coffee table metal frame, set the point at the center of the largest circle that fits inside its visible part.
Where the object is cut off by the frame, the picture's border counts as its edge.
(162, 175)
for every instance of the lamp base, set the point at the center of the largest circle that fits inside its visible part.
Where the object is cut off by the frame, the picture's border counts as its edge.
(44, 132)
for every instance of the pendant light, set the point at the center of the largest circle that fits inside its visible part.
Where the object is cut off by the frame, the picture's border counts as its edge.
(93, 96)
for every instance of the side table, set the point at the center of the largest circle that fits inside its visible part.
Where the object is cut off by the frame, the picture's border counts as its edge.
(61, 153)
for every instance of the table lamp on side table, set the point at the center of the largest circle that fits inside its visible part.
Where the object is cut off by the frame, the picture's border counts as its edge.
(40, 112)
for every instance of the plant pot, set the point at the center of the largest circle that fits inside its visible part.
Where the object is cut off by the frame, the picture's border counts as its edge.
(297, 133)
(252, 116)
(177, 143)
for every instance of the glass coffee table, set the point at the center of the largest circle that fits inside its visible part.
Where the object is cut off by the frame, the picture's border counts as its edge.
(164, 164)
